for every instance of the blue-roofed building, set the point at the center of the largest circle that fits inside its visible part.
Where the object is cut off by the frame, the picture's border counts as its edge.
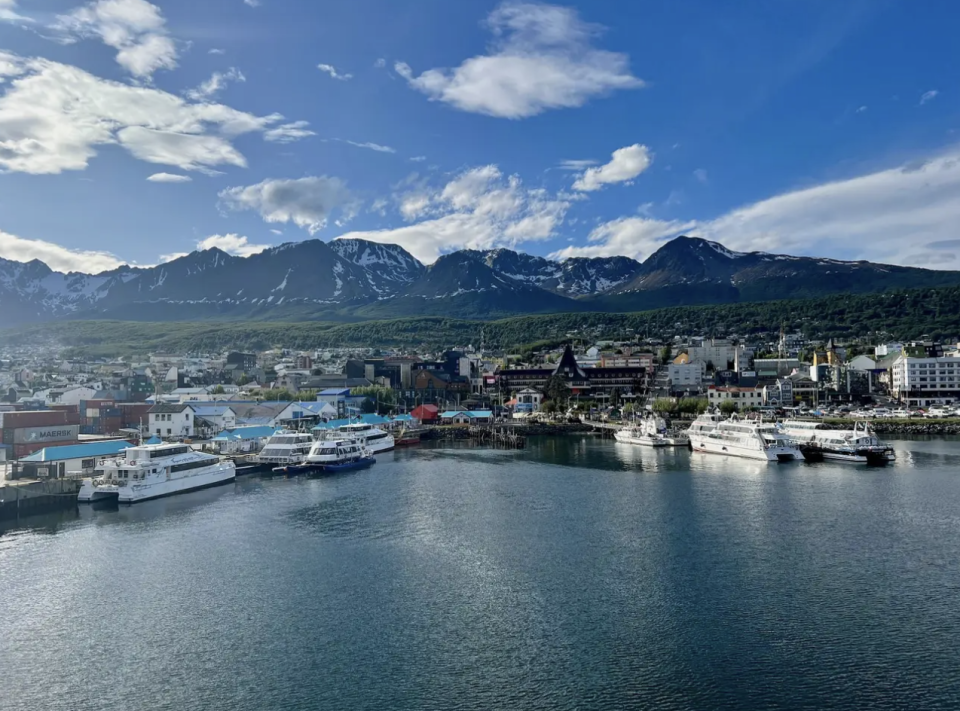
(466, 417)
(243, 439)
(70, 460)
(343, 402)
(221, 417)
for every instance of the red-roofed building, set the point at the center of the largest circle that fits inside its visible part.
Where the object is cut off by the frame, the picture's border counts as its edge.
(426, 413)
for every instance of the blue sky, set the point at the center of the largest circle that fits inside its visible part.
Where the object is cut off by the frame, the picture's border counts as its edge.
(133, 132)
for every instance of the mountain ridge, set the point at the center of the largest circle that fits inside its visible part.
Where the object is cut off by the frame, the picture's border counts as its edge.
(354, 280)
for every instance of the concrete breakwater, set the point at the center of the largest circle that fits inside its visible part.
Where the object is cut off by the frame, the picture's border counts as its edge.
(903, 427)
(524, 430)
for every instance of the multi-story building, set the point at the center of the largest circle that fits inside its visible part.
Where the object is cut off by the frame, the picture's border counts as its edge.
(719, 352)
(166, 420)
(685, 376)
(919, 382)
(744, 397)
(585, 381)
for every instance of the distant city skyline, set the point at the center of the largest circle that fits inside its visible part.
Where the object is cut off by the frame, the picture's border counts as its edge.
(133, 132)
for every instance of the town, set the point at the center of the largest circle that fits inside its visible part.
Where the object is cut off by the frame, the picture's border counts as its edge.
(59, 414)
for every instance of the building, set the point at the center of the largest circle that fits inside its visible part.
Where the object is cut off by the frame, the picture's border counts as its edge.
(919, 382)
(171, 420)
(528, 402)
(75, 459)
(342, 401)
(742, 396)
(222, 417)
(586, 381)
(467, 417)
(778, 393)
(426, 413)
(719, 353)
(686, 375)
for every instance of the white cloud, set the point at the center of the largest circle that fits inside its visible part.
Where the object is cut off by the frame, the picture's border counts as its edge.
(479, 209)
(169, 178)
(215, 84)
(306, 202)
(903, 215)
(331, 70)
(372, 147)
(135, 28)
(232, 244)
(577, 165)
(701, 175)
(289, 132)
(8, 12)
(164, 258)
(54, 116)
(277, 232)
(625, 164)
(380, 63)
(542, 58)
(636, 237)
(861, 109)
(216, 51)
(56, 257)
(251, 3)
(928, 96)
(418, 159)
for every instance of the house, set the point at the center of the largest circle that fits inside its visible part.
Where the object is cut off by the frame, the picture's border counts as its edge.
(170, 420)
(579, 380)
(243, 439)
(686, 375)
(220, 416)
(468, 417)
(426, 413)
(341, 401)
(742, 396)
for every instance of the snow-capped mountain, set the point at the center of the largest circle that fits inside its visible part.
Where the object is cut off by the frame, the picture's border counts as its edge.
(357, 279)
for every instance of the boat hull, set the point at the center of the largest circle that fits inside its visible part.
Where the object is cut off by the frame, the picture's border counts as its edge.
(879, 458)
(93, 494)
(223, 474)
(714, 446)
(642, 441)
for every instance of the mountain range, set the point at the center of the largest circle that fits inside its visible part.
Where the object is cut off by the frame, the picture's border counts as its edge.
(351, 280)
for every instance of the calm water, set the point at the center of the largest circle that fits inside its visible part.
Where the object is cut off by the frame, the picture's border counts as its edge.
(578, 574)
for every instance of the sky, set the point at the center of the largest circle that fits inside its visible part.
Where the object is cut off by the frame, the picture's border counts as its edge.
(133, 132)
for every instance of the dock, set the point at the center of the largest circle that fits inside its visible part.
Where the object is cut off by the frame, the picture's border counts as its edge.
(27, 497)
(498, 436)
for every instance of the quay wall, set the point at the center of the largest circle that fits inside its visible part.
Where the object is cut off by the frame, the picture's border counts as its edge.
(19, 499)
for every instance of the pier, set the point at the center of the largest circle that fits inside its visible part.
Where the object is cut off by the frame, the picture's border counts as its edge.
(498, 436)
(28, 497)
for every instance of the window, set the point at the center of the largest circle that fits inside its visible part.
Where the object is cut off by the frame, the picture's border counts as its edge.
(168, 430)
(88, 463)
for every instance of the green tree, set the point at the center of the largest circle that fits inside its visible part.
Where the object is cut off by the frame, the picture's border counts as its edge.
(368, 406)
(664, 405)
(628, 409)
(556, 388)
(666, 353)
(243, 380)
(217, 390)
(728, 407)
(549, 407)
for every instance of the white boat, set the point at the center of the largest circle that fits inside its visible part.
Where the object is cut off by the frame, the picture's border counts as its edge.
(286, 447)
(372, 438)
(153, 470)
(651, 431)
(740, 438)
(859, 445)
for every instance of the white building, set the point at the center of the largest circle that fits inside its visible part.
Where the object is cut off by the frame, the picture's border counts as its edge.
(222, 417)
(168, 420)
(862, 363)
(686, 376)
(925, 381)
(529, 401)
(744, 397)
(718, 351)
(885, 349)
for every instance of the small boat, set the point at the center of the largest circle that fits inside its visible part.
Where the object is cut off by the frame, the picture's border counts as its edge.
(407, 437)
(859, 446)
(329, 456)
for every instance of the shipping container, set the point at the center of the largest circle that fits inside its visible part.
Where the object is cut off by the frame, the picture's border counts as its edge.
(37, 418)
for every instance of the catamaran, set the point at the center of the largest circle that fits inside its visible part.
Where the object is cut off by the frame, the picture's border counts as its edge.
(859, 445)
(150, 471)
(740, 438)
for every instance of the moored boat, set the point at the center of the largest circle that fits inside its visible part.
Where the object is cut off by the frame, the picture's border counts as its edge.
(858, 446)
(711, 434)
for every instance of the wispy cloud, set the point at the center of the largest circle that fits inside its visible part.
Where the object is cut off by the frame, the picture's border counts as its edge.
(289, 132)
(217, 82)
(251, 3)
(701, 175)
(372, 146)
(861, 109)
(232, 244)
(625, 164)
(135, 28)
(928, 96)
(542, 58)
(577, 165)
(55, 256)
(332, 71)
(306, 202)
(169, 178)
(418, 159)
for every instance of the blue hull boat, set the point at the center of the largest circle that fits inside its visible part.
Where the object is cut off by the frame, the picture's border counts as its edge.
(361, 463)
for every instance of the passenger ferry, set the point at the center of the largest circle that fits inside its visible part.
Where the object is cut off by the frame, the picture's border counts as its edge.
(740, 438)
(286, 447)
(369, 436)
(859, 445)
(155, 470)
(331, 455)
(651, 431)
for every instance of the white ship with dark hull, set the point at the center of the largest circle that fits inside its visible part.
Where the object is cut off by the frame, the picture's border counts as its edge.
(711, 434)
(651, 431)
(369, 437)
(152, 471)
(858, 446)
(285, 447)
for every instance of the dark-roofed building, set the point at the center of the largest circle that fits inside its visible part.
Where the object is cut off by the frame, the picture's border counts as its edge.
(580, 380)
(168, 420)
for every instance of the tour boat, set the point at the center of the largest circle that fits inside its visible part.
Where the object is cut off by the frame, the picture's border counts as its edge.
(859, 445)
(286, 447)
(369, 436)
(331, 455)
(651, 431)
(740, 438)
(151, 471)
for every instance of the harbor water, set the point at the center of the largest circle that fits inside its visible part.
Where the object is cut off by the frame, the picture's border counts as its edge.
(575, 574)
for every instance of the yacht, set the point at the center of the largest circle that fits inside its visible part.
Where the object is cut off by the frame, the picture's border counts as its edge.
(286, 447)
(331, 455)
(153, 470)
(651, 431)
(373, 438)
(859, 445)
(740, 438)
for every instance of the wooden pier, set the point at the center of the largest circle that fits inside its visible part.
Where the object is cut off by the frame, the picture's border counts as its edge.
(498, 437)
